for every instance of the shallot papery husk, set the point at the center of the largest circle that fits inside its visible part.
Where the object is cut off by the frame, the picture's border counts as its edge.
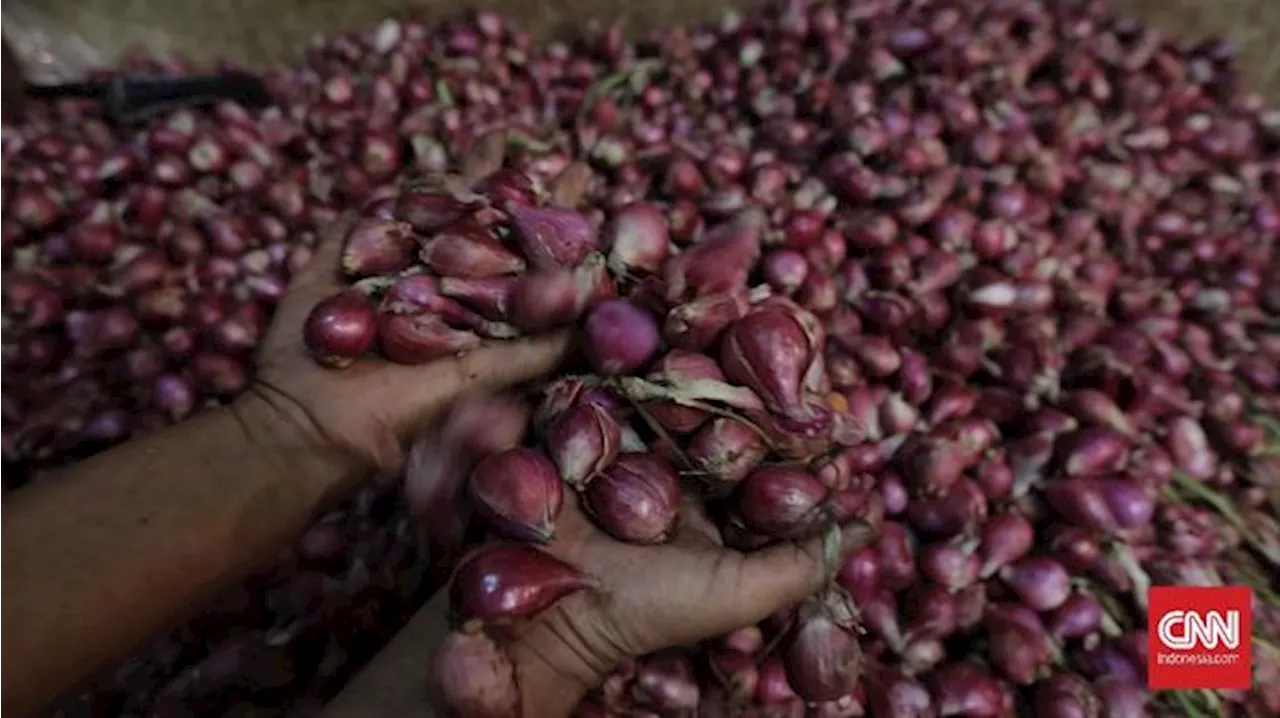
(674, 367)
(1028, 244)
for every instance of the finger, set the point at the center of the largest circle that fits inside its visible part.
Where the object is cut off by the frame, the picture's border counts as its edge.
(321, 276)
(485, 157)
(503, 364)
(415, 393)
(771, 578)
(568, 187)
(324, 267)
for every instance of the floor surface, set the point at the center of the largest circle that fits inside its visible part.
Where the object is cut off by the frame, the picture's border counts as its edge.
(275, 29)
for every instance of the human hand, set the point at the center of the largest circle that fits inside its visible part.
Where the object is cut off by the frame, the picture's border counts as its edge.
(366, 411)
(650, 597)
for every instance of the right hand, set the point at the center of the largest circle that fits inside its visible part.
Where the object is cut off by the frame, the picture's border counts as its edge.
(364, 413)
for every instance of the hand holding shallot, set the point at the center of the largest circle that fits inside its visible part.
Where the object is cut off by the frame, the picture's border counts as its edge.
(366, 410)
(608, 607)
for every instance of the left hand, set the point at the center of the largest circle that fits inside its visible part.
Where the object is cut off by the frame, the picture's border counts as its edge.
(367, 411)
(648, 597)
(652, 597)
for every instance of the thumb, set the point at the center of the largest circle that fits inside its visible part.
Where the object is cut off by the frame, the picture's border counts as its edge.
(408, 394)
(782, 575)
(318, 279)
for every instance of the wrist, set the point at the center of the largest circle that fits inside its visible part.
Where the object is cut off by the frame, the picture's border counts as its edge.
(290, 444)
(547, 690)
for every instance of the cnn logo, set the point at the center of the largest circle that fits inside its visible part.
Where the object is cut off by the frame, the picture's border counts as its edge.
(1199, 637)
(1185, 630)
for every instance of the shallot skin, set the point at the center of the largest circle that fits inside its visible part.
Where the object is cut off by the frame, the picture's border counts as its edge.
(377, 247)
(768, 351)
(505, 581)
(636, 499)
(544, 300)
(341, 328)
(822, 660)
(727, 450)
(583, 442)
(621, 338)
(1041, 582)
(720, 262)
(637, 239)
(665, 682)
(421, 338)
(520, 493)
(553, 237)
(782, 503)
(677, 365)
(465, 251)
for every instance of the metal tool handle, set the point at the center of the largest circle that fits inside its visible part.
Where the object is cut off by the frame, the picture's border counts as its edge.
(132, 98)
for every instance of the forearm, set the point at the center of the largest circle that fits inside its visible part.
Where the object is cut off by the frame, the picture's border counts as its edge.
(395, 683)
(120, 546)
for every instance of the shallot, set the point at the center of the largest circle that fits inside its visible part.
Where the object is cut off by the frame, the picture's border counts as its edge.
(475, 677)
(505, 581)
(341, 328)
(519, 493)
(636, 499)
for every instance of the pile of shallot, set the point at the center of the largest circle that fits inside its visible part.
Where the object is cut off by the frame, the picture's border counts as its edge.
(695, 381)
(993, 276)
